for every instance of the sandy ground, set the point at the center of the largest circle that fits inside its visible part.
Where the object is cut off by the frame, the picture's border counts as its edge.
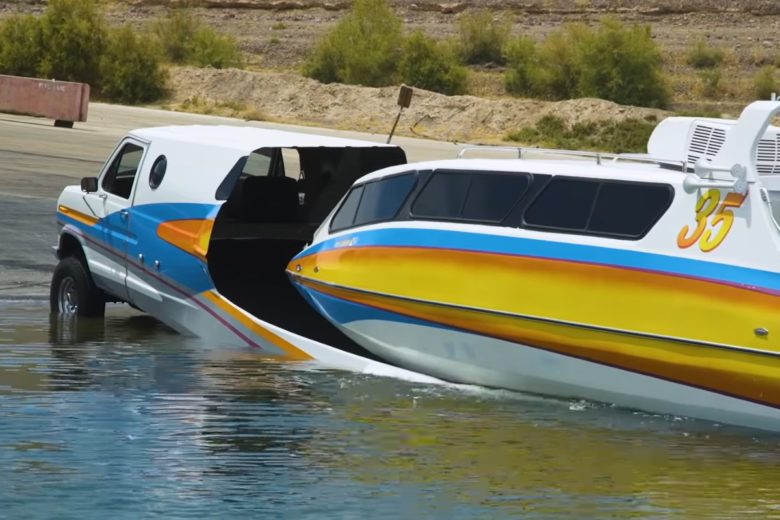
(290, 97)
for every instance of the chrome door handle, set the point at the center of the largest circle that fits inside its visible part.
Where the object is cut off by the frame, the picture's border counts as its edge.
(124, 213)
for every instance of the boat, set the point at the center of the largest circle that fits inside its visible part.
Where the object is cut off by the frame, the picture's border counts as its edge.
(647, 281)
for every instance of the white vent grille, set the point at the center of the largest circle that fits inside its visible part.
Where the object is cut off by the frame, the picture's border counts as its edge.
(768, 155)
(706, 141)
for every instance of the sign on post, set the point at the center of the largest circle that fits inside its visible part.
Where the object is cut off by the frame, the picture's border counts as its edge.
(404, 100)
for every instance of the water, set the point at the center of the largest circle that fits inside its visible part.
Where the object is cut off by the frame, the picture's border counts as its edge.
(123, 418)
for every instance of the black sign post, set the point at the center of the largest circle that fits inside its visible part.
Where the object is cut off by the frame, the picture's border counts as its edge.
(404, 100)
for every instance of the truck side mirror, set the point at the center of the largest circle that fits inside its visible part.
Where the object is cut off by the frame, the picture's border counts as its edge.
(89, 184)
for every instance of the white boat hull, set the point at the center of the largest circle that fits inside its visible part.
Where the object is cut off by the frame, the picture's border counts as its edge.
(464, 357)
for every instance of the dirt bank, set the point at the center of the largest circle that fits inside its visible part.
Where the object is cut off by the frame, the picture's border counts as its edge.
(292, 98)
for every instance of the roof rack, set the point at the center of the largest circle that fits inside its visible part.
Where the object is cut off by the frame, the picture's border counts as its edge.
(598, 156)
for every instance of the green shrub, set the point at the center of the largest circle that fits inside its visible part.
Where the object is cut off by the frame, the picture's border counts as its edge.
(615, 63)
(626, 136)
(20, 45)
(623, 65)
(130, 68)
(561, 62)
(709, 81)
(522, 72)
(482, 40)
(211, 49)
(363, 48)
(175, 33)
(702, 56)
(73, 34)
(187, 39)
(764, 84)
(430, 65)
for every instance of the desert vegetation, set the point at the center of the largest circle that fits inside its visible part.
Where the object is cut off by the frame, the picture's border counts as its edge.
(71, 41)
(613, 62)
(700, 60)
(368, 47)
(626, 136)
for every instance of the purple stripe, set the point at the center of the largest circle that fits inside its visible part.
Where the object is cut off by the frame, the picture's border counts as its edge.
(189, 295)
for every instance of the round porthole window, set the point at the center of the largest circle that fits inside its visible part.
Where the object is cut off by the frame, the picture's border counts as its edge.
(158, 172)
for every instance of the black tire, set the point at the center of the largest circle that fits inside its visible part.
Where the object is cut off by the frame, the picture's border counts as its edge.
(73, 293)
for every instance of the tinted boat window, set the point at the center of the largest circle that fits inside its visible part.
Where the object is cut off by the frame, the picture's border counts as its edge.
(598, 207)
(346, 213)
(564, 204)
(443, 196)
(629, 209)
(491, 196)
(382, 199)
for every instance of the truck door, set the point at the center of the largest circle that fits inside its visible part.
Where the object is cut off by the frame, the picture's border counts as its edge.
(116, 190)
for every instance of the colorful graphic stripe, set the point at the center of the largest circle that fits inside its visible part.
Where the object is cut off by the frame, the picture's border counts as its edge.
(603, 296)
(755, 279)
(741, 374)
(183, 251)
(293, 353)
(77, 216)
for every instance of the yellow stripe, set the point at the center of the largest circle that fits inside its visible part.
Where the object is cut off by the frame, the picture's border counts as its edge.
(744, 374)
(293, 352)
(77, 215)
(604, 296)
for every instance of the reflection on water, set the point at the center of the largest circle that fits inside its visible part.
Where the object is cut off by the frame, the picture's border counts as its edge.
(123, 417)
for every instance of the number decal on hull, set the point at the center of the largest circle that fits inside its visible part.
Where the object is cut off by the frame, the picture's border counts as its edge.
(710, 232)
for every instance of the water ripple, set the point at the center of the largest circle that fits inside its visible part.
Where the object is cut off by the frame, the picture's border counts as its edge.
(122, 418)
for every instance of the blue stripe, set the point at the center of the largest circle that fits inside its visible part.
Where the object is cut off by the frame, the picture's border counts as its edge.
(460, 240)
(344, 311)
(175, 264)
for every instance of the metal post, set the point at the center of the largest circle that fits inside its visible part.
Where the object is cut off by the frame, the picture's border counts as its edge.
(404, 100)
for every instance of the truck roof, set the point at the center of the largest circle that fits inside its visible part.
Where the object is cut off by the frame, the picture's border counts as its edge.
(246, 138)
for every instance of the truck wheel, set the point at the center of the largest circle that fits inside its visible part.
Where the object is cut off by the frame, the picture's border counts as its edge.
(72, 291)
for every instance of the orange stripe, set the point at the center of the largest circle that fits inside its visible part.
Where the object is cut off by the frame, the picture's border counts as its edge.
(77, 215)
(190, 235)
(293, 352)
(739, 373)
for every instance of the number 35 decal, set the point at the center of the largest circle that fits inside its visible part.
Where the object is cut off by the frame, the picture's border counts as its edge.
(711, 226)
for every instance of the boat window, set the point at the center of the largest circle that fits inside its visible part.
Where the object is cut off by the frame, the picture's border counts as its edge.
(629, 209)
(470, 195)
(491, 196)
(589, 206)
(345, 215)
(565, 203)
(382, 199)
(443, 196)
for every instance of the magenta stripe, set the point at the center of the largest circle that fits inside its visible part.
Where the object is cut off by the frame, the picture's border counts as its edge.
(189, 295)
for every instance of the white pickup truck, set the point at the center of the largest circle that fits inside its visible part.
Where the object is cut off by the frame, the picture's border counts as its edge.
(195, 225)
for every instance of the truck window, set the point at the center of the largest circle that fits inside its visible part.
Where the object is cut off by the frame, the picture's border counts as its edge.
(258, 163)
(273, 162)
(121, 173)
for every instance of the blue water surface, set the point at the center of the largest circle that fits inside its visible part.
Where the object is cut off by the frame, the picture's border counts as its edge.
(123, 418)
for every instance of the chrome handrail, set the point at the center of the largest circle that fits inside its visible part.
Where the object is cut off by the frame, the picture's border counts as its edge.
(598, 156)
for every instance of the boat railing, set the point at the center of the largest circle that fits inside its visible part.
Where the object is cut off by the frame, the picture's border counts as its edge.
(599, 157)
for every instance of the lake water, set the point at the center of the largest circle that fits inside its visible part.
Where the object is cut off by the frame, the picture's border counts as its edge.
(122, 418)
